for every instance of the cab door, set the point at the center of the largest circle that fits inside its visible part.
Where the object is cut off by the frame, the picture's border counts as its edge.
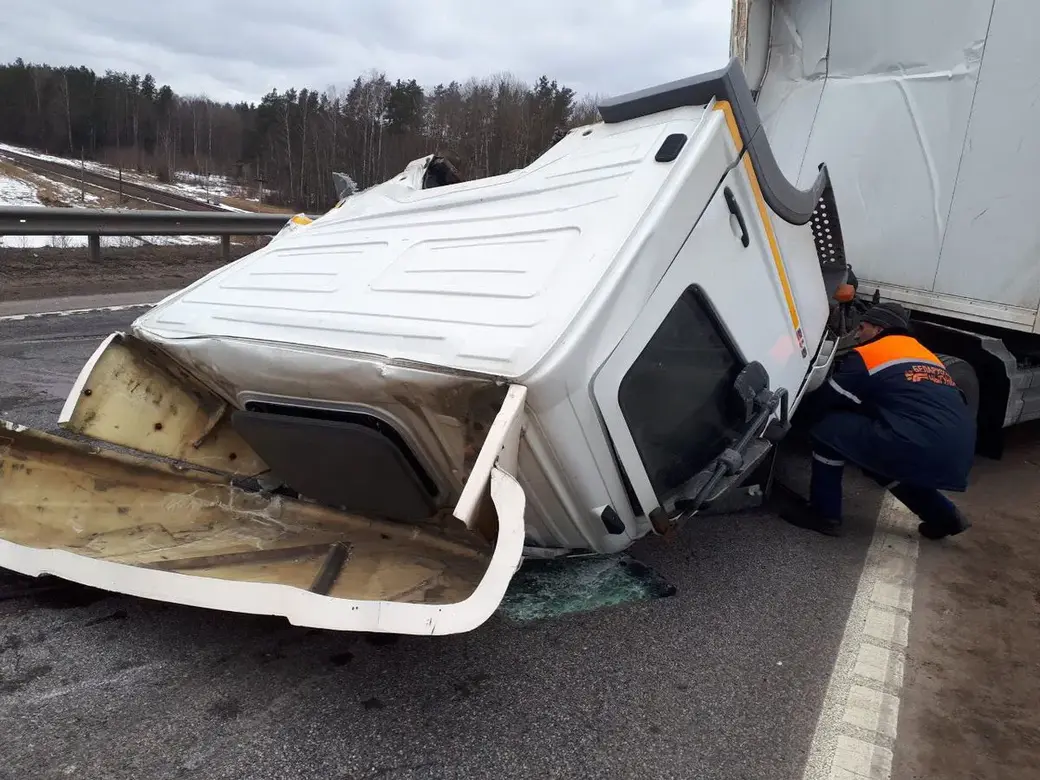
(666, 393)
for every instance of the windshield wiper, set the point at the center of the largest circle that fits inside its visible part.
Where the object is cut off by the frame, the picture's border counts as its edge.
(761, 429)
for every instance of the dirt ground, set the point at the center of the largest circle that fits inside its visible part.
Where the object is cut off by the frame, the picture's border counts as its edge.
(971, 706)
(252, 205)
(50, 272)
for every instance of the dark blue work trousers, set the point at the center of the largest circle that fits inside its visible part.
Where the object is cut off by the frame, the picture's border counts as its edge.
(828, 467)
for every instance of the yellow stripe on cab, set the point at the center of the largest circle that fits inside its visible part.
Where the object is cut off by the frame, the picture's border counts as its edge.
(774, 247)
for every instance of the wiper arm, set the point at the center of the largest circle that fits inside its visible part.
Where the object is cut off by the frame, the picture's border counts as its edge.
(731, 460)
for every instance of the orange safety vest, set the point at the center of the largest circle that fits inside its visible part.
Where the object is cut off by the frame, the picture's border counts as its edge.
(889, 351)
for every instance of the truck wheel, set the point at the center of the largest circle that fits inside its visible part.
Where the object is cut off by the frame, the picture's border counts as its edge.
(967, 380)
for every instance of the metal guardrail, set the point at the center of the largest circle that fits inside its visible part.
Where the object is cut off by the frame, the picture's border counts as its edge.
(45, 221)
(94, 223)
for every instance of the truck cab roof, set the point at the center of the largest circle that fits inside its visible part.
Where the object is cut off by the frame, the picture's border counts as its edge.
(484, 275)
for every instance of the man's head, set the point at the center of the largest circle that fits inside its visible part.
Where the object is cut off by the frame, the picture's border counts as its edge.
(882, 317)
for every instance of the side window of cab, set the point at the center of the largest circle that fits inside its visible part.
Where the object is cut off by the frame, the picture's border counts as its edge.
(677, 397)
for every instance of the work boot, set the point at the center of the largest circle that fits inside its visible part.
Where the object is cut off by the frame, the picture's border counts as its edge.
(955, 524)
(939, 516)
(806, 516)
(797, 511)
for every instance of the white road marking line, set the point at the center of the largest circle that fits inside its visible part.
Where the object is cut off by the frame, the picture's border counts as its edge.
(872, 710)
(68, 312)
(855, 759)
(885, 626)
(879, 665)
(856, 731)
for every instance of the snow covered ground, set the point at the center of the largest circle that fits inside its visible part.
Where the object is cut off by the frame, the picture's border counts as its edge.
(206, 188)
(28, 189)
(32, 242)
(19, 192)
(15, 192)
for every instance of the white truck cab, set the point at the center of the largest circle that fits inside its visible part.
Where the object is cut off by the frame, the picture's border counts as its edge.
(561, 358)
(624, 278)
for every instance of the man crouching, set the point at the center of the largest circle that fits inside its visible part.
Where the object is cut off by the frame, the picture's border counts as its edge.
(891, 408)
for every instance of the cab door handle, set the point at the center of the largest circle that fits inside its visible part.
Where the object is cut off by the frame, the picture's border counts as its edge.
(734, 209)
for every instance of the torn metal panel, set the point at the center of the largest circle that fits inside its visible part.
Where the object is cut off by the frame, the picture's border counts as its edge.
(56, 494)
(501, 445)
(443, 416)
(127, 394)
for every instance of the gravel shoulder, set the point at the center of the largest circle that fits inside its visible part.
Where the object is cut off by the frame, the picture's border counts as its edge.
(970, 708)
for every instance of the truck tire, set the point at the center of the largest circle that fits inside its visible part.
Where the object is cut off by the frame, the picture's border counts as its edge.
(967, 380)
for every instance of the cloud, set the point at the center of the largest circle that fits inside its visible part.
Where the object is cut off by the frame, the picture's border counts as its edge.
(241, 49)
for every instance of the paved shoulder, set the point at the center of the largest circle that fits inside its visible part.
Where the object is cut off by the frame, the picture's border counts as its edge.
(80, 303)
(40, 357)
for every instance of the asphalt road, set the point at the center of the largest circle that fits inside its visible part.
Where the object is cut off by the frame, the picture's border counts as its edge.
(723, 680)
(79, 302)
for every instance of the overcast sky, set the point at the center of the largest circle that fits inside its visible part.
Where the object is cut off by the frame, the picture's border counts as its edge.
(240, 49)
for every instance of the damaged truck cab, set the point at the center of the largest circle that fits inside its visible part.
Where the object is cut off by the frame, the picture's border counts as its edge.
(366, 424)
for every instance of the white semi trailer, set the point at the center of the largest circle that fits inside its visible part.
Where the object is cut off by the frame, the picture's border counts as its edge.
(927, 113)
(370, 423)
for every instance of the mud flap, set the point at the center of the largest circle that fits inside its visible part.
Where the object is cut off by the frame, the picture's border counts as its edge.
(132, 524)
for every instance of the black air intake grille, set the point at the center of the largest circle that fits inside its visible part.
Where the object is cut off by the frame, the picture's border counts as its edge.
(826, 228)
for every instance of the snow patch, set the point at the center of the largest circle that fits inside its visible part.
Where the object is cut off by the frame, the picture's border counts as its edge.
(126, 242)
(15, 192)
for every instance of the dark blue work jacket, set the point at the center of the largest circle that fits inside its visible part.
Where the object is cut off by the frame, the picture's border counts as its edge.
(891, 407)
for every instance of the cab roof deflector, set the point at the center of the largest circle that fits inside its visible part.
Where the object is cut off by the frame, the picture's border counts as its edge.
(785, 199)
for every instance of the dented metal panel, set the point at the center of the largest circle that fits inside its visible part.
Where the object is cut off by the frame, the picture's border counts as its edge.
(926, 117)
(990, 250)
(483, 275)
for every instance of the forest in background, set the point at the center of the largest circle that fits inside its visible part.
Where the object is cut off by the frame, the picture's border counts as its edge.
(292, 140)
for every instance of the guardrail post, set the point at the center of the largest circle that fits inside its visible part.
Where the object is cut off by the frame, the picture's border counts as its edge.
(94, 247)
(225, 249)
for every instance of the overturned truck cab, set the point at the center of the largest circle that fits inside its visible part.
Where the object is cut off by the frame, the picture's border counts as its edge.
(370, 422)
